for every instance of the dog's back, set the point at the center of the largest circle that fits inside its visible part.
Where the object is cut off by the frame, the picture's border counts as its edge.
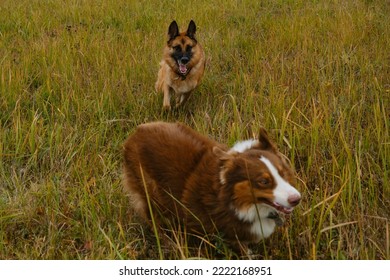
(163, 158)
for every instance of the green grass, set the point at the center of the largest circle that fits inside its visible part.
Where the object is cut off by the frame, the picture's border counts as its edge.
(77, 77)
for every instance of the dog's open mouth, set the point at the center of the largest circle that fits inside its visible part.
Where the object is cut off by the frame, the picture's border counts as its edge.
(182, 68)
(280, 208)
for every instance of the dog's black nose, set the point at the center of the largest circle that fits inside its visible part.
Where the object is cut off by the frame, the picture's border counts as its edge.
(184, 60)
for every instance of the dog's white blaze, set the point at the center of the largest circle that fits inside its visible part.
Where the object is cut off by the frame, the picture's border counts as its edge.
(262, 226)
(283, 189)
(244, 145)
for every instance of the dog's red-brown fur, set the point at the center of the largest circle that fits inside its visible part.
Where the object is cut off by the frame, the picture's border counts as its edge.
(197, 182)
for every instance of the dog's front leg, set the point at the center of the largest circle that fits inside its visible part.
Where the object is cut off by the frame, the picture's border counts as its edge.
(167, 97)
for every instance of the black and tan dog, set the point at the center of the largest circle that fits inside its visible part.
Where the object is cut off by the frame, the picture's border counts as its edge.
(182, 66)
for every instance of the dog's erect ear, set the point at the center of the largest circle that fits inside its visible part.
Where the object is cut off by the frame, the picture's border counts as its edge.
(264, 142)
(221, 154)
(173, 30)
(191, 29)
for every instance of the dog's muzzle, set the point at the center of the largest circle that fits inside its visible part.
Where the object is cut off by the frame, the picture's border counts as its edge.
(183, 64)
(184, 60)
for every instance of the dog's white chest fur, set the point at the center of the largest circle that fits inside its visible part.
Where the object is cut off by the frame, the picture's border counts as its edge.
(262, 226)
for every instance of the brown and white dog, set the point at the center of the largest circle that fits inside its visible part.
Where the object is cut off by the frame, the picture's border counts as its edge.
(182, 66)
(191, 180)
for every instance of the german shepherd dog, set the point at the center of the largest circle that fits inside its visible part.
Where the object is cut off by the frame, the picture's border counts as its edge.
(182, 66)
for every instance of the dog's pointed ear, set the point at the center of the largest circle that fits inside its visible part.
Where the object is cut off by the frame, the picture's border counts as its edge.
(191, 29)
(264, 142)
(173, 30)
(221, 154)
(224, 157)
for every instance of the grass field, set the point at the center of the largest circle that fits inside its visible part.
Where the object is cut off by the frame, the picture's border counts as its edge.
(77, 77)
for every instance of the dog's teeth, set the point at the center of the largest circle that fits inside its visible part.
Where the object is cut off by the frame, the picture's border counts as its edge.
(183, 68)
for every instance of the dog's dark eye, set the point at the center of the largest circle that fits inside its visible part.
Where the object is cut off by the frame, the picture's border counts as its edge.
(264, 182)
(188, 49)
(177, 48)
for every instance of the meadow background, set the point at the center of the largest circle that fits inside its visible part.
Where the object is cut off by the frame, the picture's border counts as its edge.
(77, 77)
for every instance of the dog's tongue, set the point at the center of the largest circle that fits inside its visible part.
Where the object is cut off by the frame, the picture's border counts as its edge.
(182, 68)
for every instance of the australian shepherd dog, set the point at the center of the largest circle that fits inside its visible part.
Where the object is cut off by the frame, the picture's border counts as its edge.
(180, 176)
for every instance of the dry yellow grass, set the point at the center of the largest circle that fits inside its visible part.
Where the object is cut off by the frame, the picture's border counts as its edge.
(77, 77)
